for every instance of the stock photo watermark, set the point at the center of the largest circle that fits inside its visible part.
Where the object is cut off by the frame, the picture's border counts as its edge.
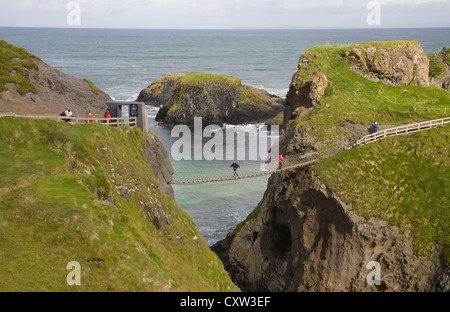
(374, 16)
(374, 276)
(74, 16)
(260, 141)
(74, 276)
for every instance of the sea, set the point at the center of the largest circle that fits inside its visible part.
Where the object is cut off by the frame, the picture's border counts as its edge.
(124, 62)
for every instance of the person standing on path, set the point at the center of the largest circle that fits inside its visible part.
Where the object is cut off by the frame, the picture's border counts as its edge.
(108, 115)
(375, 127)
(69, 114)
(235, 167)
(90, 118)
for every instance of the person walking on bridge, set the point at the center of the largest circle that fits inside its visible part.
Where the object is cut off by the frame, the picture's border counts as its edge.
(235, 167)
(280, 161)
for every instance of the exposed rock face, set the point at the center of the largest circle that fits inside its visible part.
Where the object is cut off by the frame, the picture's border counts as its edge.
(159, 161)
(217, 99)
(55, 91)
(304, 93)
(306, 239)
(160, 91)
(397, 65)
(394, 64)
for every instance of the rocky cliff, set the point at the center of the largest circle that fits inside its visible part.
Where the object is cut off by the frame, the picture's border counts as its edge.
(28, 86)
(217, 99)
(397, 64)
(305, 238)
(319, 228)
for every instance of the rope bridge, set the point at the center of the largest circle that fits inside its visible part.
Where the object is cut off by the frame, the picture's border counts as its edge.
(218, 171)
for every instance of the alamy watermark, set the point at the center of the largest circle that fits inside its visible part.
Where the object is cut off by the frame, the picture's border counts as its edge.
(236, 144)
(374, 16)
(74, 16)
(74, 276)
(374, 276)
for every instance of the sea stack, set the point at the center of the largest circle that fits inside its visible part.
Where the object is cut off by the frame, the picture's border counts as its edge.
(218, 99)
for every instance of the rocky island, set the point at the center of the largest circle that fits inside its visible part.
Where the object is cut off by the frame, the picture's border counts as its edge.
(218, 99)
(322, 227)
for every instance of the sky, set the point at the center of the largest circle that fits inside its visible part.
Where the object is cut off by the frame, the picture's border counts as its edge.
(225, 14)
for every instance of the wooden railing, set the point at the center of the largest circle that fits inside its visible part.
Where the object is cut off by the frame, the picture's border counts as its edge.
(118, 122)
(402, 130)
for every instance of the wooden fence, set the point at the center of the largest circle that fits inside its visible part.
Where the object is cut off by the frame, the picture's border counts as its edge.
(403, 130)
(118, 122)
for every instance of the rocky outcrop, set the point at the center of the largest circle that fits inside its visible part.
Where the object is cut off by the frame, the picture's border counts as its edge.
(51, 90)
(305, 238)
(160, 91)
(159, 161)
(217, 99)
(396, 65)
(304, 92)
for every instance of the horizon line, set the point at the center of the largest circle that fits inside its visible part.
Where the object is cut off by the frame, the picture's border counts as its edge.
(233, 28)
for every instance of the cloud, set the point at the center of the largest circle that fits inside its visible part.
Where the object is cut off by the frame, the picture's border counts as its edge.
(221, 13)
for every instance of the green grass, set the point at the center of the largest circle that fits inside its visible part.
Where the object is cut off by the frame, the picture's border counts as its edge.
(404, 180)
(202, 77)
(15, 66)
(447, 56)
(350, 98)
(249, 218)
(58, 203)
(96, 90)
(437, 68)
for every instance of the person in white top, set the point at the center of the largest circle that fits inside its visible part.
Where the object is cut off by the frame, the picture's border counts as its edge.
(68, 113)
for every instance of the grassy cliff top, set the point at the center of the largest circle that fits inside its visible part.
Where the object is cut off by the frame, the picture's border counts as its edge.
(60, 202)
(404, 180)
(353, 99)
(15, 66)
(203, 77)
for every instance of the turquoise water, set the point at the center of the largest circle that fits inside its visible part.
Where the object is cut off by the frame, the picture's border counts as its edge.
(123, 62)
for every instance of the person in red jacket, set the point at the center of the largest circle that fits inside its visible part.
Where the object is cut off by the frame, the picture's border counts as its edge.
(280, 161)
(108, 115)
(90, 118)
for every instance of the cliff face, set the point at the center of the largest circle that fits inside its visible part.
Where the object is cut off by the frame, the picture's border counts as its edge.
(31, 87)
(217, 99)
(305, 238)
(159, 162)
(396, 65)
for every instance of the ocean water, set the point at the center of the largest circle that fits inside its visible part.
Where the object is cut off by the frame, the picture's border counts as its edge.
(123, 62)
